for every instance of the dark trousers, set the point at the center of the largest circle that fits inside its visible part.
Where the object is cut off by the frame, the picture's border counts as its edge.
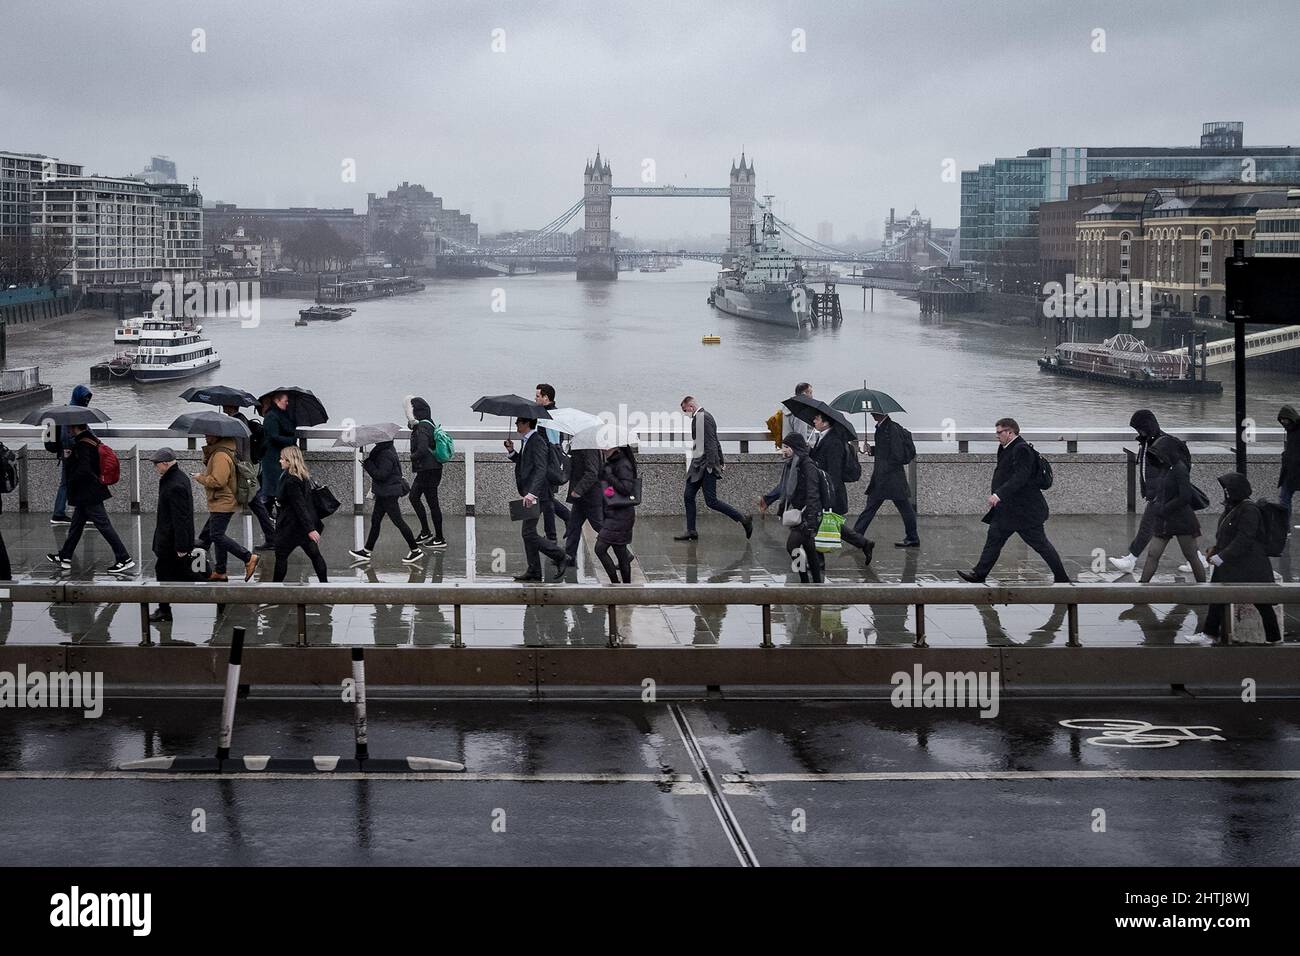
(263, 515)
(61, 500)
(801, 538)
(1214, 621)
(424, 489)
(624, 556)
(309, 548)
(709, 482)
(1145, 528)
(6, 573)
(96, 515)
(550, 509)
(535, 544)
(171, 567)
(1035, 537)
(388, 506)
(589, 509)
(1284, 496)
(214, 533)
(874, 500)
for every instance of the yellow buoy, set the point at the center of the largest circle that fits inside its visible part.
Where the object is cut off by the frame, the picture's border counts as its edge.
(712, 340)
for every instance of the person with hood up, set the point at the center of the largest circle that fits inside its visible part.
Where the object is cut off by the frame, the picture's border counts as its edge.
(1148, 430)
(219, 480)
(1288, 479)
(801, 490)
(1238, 553)
(386, 482)
(618, 478)
(61, 445)
(87, 494)
(1173, 503)
(426, 471)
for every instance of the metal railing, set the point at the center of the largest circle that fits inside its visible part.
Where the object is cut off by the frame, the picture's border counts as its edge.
(917, 595)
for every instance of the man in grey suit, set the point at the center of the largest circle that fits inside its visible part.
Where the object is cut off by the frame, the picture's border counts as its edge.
(706, 466)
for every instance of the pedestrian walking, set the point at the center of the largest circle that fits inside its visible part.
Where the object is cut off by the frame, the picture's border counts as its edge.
(220, 480)
(1016, 506)
(801, 504)
(10, 481)
(61, 444)
(1174, 503)
(532, 460)
(298, 525)
(1238, 553)
(893, 451)
(837, 456)
(87, 494)
(705, 469)
(1148, 430)
(617, 484)
(253, 451)
(1288, 479)
(586, 497)
(544, 395)
(173, 531)
(389, 487)
(792, 424)
(278, 434)
(426, 471)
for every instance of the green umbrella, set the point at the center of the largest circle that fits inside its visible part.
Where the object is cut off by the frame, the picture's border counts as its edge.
(867, 400)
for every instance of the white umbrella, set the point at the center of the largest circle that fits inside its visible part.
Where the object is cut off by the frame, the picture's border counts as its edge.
(602, 436)
(569, 420)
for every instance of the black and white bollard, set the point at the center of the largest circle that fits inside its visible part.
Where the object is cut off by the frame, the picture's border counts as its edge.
(232, 692)
(359, 690)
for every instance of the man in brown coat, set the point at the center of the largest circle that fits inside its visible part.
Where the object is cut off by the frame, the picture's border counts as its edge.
(218, 479)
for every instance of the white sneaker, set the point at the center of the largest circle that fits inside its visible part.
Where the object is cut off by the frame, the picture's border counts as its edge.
(1186, 567)
(1201, 638)
(1126, 563)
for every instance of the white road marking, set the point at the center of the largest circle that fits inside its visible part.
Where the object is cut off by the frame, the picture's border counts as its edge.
(674, 780)
(888, 775)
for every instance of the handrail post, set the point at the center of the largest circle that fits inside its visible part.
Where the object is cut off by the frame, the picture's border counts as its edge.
(612, 613)
(920, 627)
(457, 635)
(1072, 625)
(767, 626)
(146, 638)
(1227, 629)
(963, 447)
(302, 625)
(23, 464)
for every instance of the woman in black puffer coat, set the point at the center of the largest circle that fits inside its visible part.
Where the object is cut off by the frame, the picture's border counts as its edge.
(1174, 515)
(388, 486)
(801, 488)
(1238, 554)
(618, 475)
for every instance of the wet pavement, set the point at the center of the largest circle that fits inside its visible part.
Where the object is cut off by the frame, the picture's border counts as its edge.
(721, 555)
(716, 782)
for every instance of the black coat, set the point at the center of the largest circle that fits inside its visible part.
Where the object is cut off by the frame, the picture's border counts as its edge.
(807, 494)
(1236, 539)
(174, 529)
(385, 471)
(1173, 497)
(585, 468)
(704, 440)
(297, 512)
(1149, 469)
(82, 472)
(889, 474)
(830, 453)
(1289, 476)
(531, 464)
(422, 441)
(619, 473)
(1021, 503)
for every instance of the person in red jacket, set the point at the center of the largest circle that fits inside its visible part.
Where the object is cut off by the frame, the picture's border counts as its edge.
(87, 494)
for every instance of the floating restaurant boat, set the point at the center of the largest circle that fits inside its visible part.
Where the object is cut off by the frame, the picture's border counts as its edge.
(128, 332)
(322, 313)
(1126, 360)
(167, 350)
(361, 289)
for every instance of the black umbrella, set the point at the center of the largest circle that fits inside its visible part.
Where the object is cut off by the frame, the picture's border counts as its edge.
(304, 408)
(66, 415)
(806, 409)
(222, 395)
(210, 423)
(512, 406)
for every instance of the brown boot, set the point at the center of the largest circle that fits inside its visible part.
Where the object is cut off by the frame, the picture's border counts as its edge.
(250, 567)
(217, 576)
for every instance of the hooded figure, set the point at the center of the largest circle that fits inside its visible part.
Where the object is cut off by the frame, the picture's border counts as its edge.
(1172, 490)
(801, 488)
(426, 471)
(1238, 554)
(61, 444)
(1148, 430)
(1288, 479)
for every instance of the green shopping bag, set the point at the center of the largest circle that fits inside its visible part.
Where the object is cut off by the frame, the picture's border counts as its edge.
(828, 533)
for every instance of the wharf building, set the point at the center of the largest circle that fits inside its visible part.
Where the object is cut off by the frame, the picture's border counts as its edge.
(412, 203)
(223, 220)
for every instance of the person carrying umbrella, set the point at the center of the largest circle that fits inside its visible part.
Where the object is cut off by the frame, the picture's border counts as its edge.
(801, 496)
(386, 482)
(532, 461)
(219, 479)
(544, 395)
(617, 485)
(835, 452)
(893, 451)
(249, 446)
(87, 494)
(278, 428)
(61, 444)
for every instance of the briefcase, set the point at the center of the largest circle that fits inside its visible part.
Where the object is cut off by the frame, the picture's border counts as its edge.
(522, 512)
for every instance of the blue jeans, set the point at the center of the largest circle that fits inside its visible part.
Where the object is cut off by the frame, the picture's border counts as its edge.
(214, 533)
(1284, 499)
(709, 482)
(60, 501)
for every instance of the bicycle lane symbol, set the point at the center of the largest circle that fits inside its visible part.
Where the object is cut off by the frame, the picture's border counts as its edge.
(1116, 732)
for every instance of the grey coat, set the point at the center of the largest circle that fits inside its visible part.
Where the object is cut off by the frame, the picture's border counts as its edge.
(709, 457)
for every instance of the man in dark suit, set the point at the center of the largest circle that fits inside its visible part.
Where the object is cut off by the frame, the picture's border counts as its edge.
(1016, 506)
(586, 500)
(706, 465)
(889, 480)
(173, 533)
(832, 447)
(544, 395)
(531, 463)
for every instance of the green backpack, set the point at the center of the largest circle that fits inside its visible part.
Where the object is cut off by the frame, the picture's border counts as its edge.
(247, 478)
(444, 446)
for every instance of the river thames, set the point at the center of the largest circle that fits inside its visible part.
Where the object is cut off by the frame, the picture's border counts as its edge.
(635, 341)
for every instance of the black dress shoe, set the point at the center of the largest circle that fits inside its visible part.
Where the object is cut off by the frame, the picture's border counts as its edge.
(522, 578)
(561, 566)
(160, 617)
(868, 549)
(747, 523)
(970, 577)
(907, 544)
(687, 536)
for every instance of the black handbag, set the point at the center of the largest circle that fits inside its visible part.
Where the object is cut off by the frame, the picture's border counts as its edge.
(323, 501)
(615, 500)
(1200, 500)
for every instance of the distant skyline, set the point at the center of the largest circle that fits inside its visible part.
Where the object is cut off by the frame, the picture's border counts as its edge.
(862, 120)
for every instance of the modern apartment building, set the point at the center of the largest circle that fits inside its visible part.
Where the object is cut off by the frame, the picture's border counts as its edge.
(17, 173)
(1277, 231)
(121, 231)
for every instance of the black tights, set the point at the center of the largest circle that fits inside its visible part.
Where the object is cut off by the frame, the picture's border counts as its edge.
(426, 486)
(388, 506)
(309, 548)
(624, 561)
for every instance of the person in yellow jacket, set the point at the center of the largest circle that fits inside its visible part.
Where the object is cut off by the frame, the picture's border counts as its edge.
(218, 479)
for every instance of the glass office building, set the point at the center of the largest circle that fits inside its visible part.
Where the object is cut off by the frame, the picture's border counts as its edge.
(999, 200)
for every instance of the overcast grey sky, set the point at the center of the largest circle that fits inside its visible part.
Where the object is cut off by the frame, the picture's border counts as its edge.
(412, 90)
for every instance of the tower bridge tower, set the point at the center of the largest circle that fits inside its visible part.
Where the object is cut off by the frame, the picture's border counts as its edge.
(742, 204)
(596, 257)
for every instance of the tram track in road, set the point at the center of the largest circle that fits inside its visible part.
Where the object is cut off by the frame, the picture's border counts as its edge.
(713, 787)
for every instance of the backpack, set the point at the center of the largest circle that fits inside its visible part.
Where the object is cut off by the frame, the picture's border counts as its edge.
(558, 465)
(909, 446)
(110, 469)
(1273, 527)
(827, 496)
(257, 439)
(444, 446)
(247, 478)
(8, 471)
(1042, 470)
(852, 470)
